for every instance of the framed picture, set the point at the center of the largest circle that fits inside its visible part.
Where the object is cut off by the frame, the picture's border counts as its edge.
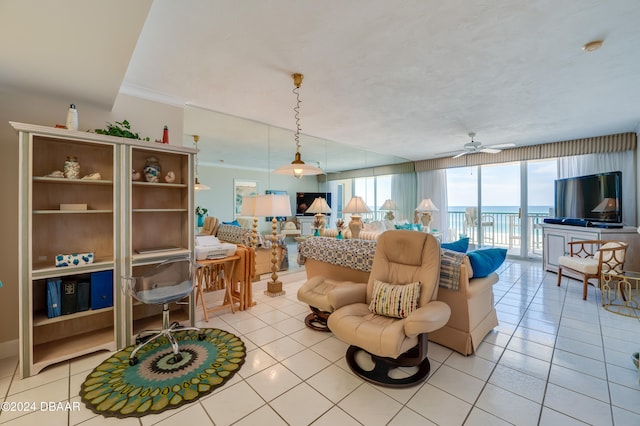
(242, 188)
(275, 192)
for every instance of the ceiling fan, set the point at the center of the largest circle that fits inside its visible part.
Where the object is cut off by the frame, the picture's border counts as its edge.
(475, 147)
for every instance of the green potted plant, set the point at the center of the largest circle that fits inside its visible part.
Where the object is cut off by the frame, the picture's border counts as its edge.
(120, 129)
(200, 213)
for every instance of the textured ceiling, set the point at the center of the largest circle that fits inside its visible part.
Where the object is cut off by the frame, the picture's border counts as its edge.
(405, 78)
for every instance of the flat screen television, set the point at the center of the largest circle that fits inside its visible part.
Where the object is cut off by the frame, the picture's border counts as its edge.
(595, 198)
(304, 200)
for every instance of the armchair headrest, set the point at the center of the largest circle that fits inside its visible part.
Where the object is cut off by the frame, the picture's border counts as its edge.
(402, 246)
(404, 257)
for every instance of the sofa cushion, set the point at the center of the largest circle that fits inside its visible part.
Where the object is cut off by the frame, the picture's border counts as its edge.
(611, 256)
(235, 235)
(586, 265)
(395, 301)
(289, 226)
(389, 225)
(487, 260)
(460, 246)
(375, 226)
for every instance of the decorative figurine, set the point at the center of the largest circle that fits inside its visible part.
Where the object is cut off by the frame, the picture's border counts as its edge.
(152, 170)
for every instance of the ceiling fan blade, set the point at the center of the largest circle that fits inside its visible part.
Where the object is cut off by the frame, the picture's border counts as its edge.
(490, 150)
(503, 145)
(460, 154)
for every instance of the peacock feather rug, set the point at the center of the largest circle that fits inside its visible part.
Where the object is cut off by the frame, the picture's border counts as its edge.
(157, 383)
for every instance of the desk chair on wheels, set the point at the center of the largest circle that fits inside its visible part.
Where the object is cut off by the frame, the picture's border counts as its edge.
(168, 282)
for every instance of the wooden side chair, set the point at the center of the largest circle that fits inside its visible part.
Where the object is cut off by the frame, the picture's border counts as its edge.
(590, 258)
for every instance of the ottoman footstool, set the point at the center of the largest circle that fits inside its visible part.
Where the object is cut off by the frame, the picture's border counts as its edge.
(316, 293)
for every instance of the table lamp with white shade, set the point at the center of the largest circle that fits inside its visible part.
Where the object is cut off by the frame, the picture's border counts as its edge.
(319, 207)
(355, 206)
(426, 207)
(273, 205)
(390, 206)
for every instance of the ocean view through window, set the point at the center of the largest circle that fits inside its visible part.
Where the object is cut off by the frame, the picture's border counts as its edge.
(515, 199)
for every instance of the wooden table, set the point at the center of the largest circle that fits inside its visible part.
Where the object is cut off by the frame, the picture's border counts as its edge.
(232, 296)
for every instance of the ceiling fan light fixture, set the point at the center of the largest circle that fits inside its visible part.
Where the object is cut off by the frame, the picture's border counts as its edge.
(474, 147)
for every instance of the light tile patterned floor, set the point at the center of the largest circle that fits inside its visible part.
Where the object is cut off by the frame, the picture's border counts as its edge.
(553, 360)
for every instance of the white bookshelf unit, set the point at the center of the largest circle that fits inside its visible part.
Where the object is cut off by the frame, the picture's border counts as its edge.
(112, 217)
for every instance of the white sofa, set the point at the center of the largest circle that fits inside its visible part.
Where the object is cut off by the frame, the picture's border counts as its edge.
(370, 231)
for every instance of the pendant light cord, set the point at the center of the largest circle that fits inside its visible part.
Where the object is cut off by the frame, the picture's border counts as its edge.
(296, 109)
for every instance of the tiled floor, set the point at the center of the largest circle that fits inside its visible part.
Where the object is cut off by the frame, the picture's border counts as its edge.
(554, 360)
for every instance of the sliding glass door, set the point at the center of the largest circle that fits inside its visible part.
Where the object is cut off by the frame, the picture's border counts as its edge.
(540, 196)
(462, 196)
(501, 205)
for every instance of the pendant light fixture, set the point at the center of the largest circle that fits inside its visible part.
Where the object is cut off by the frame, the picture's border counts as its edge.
(298, 168)
(198, 186)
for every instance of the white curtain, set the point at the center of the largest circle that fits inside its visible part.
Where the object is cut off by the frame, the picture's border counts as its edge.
(433, 184)
(332, 187)
(403, 192)
(624, 161)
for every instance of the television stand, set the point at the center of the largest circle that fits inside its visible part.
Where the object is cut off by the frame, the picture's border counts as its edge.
(581, 222)
(557, 236)
(605, 225)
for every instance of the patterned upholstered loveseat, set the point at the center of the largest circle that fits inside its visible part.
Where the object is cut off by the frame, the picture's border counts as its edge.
(471, 299)
(238, 235)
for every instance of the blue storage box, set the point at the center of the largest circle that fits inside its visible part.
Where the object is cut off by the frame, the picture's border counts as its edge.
(101, 289)
(53, 297)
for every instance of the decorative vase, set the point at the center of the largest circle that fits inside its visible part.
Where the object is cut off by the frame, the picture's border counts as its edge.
(316, 232)
(200, 221)
(339, 236)
(152, 170)
(72, 168)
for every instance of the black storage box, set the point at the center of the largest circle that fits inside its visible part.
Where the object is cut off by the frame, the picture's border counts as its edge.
(68, 296)
(83, 299)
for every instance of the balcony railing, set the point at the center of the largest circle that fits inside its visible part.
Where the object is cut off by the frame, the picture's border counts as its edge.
(499, 230)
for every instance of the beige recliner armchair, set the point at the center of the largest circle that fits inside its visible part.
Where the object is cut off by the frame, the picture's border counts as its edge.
(395, 311)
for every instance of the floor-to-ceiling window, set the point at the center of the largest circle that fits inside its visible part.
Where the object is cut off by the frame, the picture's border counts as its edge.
(501, 205)
(374, 190)
(462, 196)
(541, 175)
